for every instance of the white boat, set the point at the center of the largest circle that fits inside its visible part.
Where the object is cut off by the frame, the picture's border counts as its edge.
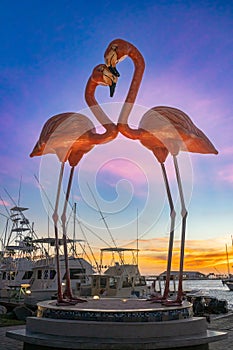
(120, 280)
(43, 284)
(17, 256)
(229, 283)
(15, 276)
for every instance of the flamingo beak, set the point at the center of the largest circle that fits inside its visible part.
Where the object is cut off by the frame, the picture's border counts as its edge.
(112, 89)
(114, 71)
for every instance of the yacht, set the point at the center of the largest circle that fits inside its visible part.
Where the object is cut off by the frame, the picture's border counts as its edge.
(17, 256)
(121, 279)
(43, 283)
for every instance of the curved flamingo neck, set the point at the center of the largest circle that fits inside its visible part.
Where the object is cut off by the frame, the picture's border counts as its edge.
(111, 128)
(139, 66)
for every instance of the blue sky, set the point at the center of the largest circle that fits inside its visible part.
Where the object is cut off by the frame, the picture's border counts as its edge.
(48, 50)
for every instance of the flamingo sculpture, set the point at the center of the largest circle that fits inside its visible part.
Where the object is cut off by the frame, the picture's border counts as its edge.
(162, 130)
(70, 136)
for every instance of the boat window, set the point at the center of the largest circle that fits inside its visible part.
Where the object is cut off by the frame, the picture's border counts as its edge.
(83, 279)
(94, 281)
(39, 274)
(75, 273)
(112, 283)
(103, 282)
(127, 283)
(4, 275)
(12, 275)
(140, 281)
(27, 275)
(52, 274)
(46, 274)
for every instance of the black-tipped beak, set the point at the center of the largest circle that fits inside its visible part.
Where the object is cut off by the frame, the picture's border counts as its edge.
(112, 89)
(114, 71)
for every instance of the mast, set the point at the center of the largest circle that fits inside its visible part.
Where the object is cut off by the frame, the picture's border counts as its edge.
(228, 265)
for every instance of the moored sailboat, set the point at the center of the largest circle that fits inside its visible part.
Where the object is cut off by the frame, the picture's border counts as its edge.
(228, 281)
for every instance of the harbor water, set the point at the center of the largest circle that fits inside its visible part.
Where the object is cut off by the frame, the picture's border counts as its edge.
(212, 288)
(206, 287)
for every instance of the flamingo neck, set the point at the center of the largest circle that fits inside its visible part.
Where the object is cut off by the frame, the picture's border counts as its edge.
(110, 127)
(139, 66)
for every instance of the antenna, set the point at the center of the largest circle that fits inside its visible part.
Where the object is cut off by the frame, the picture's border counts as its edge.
(220, 273)
(228, 266)
(26, 223)
(52, 207)
(93, 256)
(106, 225)
(102, 216)
(20, 186)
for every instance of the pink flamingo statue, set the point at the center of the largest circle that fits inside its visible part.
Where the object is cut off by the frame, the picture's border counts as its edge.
(70, 136)
(162, 130)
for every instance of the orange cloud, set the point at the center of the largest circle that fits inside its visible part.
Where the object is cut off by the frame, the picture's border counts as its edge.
(200, 255)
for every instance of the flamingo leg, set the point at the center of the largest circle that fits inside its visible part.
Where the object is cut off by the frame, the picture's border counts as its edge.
(184, 214)
(171, 236)
(55, 220)
(172, 228)
(68, 290)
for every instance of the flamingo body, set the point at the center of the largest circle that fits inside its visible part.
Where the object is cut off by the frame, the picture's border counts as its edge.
(61, 132)
(174, 129)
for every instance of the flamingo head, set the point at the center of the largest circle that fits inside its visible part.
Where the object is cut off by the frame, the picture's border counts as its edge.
(116, 51)
(103, 76)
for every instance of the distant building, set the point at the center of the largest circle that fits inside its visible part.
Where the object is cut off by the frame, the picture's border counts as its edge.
(187, 275)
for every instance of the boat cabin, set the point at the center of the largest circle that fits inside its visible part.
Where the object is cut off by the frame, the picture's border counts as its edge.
(119, 280)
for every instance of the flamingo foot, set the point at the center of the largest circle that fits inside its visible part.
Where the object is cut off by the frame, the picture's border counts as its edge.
(78, 300)
(157, 299)
(72, 299)
(65, 302)
(176, 302)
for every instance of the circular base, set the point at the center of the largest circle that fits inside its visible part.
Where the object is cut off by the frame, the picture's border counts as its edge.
(115, 324)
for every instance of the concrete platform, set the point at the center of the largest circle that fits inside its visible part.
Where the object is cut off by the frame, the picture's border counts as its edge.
(115, 324)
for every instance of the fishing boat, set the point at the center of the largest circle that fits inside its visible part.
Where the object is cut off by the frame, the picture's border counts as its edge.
(18, 255)
(121, 279)
(43, 283)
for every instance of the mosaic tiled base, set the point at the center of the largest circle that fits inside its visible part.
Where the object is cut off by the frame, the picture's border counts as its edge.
(136, 315)
(115, 324)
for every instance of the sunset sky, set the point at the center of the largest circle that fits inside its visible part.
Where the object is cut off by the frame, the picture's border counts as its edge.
(48, 51)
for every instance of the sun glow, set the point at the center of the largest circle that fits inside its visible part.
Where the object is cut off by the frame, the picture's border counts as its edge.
(200, 255)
